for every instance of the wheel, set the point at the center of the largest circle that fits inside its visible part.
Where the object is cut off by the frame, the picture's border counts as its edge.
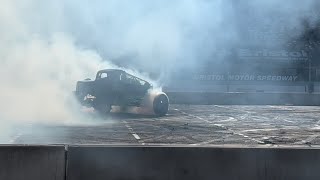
(161, 105)
(102, 109)
(79, 97)
(123, 109)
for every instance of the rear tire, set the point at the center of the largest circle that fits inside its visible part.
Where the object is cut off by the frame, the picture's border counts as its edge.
(102, 109)
(161, 105)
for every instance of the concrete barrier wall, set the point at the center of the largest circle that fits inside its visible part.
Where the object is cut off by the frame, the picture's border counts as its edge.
(241, 87)
(192, 163)
(135, 162)
(244, 98)
(32, 162)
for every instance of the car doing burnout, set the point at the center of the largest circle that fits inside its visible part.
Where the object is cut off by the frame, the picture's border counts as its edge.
(114, 87)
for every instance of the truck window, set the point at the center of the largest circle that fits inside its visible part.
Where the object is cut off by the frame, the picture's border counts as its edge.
(134, 80)
(103, 75)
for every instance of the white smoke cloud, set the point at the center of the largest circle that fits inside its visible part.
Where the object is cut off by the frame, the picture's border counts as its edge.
(163, 36)
(158, 34)
(40, 75)
(39, 62)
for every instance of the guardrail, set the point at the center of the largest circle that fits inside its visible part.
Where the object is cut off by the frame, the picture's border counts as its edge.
(250, 98)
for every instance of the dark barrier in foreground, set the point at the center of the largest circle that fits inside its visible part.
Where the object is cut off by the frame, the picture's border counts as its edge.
(32, 162)
(244, 98)
(138, 163)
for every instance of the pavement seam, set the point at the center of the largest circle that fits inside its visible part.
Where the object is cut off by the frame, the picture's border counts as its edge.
(15, 138)
(220, 126)
(309, 139)
(312, 137)
(230, 108)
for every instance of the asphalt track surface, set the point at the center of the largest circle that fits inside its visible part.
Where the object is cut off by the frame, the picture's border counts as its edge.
(186, 125)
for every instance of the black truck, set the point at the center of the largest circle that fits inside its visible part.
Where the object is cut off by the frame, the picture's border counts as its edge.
(115, 87)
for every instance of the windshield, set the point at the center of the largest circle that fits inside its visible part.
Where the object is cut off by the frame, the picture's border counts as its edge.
(223, 72)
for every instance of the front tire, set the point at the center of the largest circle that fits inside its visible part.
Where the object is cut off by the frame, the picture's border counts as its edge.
(102, 109)
(161, 105)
